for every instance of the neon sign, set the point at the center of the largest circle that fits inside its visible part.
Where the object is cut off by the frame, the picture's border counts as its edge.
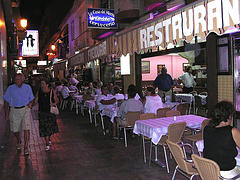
(101, 18)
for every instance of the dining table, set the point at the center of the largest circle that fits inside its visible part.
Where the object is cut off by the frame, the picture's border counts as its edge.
(156, 128)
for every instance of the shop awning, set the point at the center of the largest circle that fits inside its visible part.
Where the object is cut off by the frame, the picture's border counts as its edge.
(196, 19)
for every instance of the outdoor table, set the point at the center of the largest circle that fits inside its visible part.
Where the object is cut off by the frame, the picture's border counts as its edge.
(110, 112)
(200, 147)
(156, 128)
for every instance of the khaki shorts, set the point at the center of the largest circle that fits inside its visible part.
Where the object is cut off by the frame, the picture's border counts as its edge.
(20, 119)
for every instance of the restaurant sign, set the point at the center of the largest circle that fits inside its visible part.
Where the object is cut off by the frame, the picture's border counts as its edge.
(30, 46)
(197, 19)
(101, 18)
(97, 51)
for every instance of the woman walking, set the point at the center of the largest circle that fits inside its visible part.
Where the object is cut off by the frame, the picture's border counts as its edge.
(47, 121)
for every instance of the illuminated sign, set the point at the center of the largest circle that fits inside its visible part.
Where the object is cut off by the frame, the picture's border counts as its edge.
(20, 63)
(42, 63)
(30, 46)
(101, 18)
(125, 64)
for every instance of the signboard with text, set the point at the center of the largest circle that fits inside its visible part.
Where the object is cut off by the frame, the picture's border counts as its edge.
(30, 46)
(101, 18)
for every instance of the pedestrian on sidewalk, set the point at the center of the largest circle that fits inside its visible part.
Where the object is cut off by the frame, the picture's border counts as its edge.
(46, 98)
(19, 97)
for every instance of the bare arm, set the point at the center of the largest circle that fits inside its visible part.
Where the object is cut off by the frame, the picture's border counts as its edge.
(55, 97)
(236, 136)
(108, 102)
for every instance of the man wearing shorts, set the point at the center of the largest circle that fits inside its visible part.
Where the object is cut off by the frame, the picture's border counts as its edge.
(19, 97)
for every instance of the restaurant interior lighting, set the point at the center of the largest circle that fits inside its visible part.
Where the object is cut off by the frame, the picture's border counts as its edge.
(53, 47)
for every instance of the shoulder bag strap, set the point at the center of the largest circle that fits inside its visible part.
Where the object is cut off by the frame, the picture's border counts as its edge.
(51, 96)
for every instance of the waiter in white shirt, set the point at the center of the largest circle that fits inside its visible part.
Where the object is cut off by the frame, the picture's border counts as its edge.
(188, 80)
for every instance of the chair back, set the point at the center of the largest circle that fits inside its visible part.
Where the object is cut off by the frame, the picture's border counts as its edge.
(203, 93)
(131, 117)
(175, 131)
(161, 112)
(183, 108)
(193, 93)
(208, 169)
(198, 101)
(178, 155)
(147, 116)
(204, 124)
(172, 113)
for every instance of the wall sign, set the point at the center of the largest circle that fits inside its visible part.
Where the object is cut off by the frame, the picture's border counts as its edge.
(101, 18)
(30, 46)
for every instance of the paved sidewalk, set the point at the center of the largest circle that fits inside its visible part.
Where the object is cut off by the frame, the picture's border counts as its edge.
(79, 151)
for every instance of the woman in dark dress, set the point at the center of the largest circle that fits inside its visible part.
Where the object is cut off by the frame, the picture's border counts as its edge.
(47, 121)
(221, 139)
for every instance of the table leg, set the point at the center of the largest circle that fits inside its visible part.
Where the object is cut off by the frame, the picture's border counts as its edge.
(144, 151)
(156, 161)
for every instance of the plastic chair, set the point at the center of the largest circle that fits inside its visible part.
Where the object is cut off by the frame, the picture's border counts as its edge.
(208, 169)
(161, 112)
(172, 113)
(175, 132)
(183, 108)
(184, 166)
(131, 117)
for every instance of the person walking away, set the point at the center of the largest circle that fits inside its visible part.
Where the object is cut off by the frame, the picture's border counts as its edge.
(47, 121)
(188, 80)
(164, 84)
(19, 97)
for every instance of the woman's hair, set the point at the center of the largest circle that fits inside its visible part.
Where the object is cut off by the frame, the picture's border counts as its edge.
(132, 91)
(221, 112)
(116, 89)
(151, 90)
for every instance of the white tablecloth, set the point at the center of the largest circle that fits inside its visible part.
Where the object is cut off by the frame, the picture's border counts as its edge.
(155, 128)
(78, 98)
(90, 104)
(110, 112)
(184, 97)
(200, 146)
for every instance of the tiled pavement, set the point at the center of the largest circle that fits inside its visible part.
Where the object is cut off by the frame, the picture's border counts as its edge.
(79, 151)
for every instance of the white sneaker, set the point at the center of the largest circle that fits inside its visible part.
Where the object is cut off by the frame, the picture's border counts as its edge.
(47, 148)
(50, 143)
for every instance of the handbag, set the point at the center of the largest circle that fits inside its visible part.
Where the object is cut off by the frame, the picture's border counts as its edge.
(53, 109)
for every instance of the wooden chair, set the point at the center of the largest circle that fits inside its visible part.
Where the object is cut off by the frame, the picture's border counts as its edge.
(197, 136)
(131, 117)
(147, 116)
(208, 169)
(183, 108)
(175, 132)
(161, 112)
(172, 113)
(184, 166)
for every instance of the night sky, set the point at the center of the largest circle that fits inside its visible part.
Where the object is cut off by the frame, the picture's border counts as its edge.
(45, 15)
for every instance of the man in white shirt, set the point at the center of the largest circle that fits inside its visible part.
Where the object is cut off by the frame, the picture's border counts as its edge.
(188, 80)
(105, 100)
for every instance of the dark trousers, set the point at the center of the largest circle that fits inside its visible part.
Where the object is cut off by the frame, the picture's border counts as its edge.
(187, 90)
